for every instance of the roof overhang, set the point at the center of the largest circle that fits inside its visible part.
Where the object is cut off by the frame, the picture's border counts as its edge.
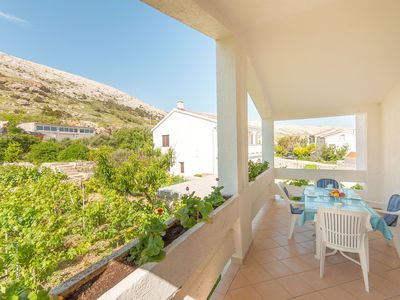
(307, 57)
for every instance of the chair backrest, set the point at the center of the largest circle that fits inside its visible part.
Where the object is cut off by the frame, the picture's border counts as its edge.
(323, 183)
(342, 229)
(393, 205)
(284, 193)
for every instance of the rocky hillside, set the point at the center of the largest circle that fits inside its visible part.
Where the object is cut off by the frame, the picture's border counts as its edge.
(34, 92)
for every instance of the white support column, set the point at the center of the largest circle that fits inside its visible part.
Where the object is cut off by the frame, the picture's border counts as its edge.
(268, 141)
(373, 153)
(232, 117)
(233, 135)
(361, 141)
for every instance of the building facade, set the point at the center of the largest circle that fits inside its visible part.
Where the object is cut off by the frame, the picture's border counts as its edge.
(58, 132)
(193, 137)
(338, 137)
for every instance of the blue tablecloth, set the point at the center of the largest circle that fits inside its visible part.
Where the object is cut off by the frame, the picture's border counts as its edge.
(314, 198)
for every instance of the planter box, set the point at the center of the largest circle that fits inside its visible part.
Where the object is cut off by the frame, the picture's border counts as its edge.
(202, 250)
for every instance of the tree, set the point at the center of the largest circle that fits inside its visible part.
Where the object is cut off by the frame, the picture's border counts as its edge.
(287, 144)
(131, 138)
(141, 174)
(13, 152)
(44, 152)
(75, 151)
(304, 152)
(332, 153)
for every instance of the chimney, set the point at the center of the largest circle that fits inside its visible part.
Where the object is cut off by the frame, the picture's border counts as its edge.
(180, 104)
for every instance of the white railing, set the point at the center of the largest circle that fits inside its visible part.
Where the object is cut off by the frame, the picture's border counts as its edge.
(340, 175)
(194, 261)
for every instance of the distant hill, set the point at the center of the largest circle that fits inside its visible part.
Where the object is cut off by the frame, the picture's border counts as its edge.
(34, 92)
(304, 130)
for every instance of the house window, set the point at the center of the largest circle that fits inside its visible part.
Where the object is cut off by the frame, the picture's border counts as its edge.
(39, 127)
(165, 140)
(53, 128)
(82, 130)
(47, 128)
(182, 165)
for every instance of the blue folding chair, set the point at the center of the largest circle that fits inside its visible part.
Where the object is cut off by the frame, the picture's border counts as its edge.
(391, 215)
(324, 182)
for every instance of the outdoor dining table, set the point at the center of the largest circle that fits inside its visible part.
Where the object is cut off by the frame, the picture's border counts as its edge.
(315, 197)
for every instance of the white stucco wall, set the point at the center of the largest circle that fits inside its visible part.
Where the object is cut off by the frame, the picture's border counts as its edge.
(194, 141)
(390, 143)
(342, 139)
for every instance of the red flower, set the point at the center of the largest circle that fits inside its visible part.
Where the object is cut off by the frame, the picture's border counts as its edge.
(160, 211)
(217, 179)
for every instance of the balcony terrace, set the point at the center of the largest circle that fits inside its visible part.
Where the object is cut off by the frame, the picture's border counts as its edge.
(296, 59)
(278, 268)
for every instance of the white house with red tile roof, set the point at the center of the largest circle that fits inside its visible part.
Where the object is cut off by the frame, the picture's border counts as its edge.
(338, 137)
(193, 137)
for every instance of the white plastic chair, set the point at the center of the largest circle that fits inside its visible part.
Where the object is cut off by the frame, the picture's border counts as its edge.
(295, 208)
(345, 231)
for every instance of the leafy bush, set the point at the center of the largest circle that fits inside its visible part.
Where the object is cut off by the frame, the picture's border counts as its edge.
(332, 153)
(45, 222)
(357, 187)
(298, 182)
(44, 152)
(304, 152)
(287, 144)
(131, 138)
(13, 152)
(25, 142)
(73, 152)
(310, 167)
(142, 173)
(256, 168)
(192, 210)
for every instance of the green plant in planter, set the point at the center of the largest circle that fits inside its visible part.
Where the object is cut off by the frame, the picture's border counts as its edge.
(298, 182)
(215, 197)
(192, 210)
(150, 245)
(256, 168)
(19, 292)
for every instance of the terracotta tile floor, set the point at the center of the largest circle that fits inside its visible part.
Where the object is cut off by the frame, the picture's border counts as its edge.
(278, 268)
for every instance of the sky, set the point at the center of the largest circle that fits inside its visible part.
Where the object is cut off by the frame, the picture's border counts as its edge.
(125, 44)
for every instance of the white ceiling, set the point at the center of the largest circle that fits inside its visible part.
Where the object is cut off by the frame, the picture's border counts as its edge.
(317, 55)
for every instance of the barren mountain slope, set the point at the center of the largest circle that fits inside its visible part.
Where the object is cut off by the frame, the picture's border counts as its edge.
(33, 92)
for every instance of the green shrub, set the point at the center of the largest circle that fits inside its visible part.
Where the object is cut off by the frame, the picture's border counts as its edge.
(298, 182)
(310, 167)
(256, 168)
(332, 153)
(357, 187)
(13, 152)
(44, 152)
(131, 138)
(141, 173)
(46, 222)
(73, 152)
